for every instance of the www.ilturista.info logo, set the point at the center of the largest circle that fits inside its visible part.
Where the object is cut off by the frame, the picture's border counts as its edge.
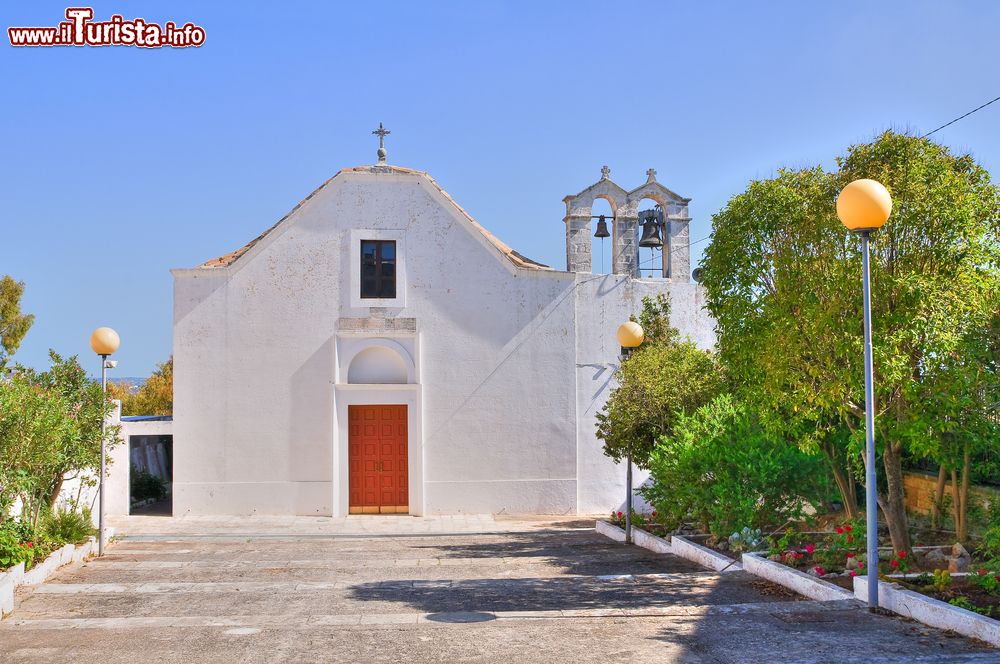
(81, 30)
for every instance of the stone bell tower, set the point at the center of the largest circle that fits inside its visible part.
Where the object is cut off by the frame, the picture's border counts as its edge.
(625, 229)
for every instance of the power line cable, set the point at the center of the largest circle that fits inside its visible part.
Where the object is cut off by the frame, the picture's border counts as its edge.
(978, 108)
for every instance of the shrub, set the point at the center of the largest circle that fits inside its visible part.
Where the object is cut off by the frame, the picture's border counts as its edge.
(146, 485)
(12, 549)
(721, 470)
(66, 526)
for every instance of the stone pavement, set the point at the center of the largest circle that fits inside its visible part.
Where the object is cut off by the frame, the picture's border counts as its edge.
(517, 591)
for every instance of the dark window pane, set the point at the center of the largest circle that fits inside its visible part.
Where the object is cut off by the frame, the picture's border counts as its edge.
(378, 268)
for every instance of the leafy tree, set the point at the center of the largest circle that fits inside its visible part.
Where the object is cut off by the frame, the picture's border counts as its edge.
(663, 378)
(154, 397)
(783, 282)
(50, 431)
(13, 324)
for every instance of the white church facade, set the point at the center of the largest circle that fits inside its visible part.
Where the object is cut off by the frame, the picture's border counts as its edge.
(378, 351)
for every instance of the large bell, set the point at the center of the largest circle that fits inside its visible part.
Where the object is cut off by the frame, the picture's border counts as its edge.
(650, 235)
(602, 228)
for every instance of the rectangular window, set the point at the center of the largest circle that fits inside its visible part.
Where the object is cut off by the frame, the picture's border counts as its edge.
(378, 269)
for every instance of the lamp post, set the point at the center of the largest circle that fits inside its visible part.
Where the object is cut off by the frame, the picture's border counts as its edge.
(630, 335)
(863, 206)
(104, 341)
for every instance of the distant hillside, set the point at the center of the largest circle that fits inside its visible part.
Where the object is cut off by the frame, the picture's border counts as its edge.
(133, 382)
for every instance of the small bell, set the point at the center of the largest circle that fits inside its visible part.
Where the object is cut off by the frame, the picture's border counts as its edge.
(650, 235)
(602, 228)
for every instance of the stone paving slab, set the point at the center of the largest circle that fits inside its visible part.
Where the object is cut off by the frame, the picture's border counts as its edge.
(546, 594)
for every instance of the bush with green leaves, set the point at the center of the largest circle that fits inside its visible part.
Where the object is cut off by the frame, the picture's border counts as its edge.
(145, 485)
(66, 526)
(14, 548)
(722, 472)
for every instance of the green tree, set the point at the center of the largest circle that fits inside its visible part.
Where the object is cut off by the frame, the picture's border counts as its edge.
(783, 283)
(63, 447)
(13, 324)
(154, 397)
(662, 379)
(33, 422)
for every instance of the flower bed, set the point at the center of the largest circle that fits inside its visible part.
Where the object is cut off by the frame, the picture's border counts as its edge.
(978, 591)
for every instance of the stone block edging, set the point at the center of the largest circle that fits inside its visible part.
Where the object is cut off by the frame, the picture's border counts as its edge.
(676, 545)
(16, 576)
(931, 611)
(685, 548)
(639, 537)
(793, 579)
(609, 529)
(650, 541)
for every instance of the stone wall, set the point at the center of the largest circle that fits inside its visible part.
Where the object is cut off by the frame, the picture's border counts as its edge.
(920, 491)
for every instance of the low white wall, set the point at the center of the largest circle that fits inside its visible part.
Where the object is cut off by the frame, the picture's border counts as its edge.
(931, 611)
(793, 579)
(685, 548)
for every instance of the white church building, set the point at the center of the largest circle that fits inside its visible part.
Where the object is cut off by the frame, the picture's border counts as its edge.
(378, 351)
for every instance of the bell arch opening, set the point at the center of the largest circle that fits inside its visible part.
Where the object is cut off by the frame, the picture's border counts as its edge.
(654, 239)
(602, 222)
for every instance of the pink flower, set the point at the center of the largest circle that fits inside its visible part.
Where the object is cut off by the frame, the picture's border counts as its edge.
(850, 554)
(850, 538)
(894, 563)
(861, 565)
(619, 515)
(848, 528)
(840, 531)
(902, 555)
(810, 548)
(819, 570)
(853, 573)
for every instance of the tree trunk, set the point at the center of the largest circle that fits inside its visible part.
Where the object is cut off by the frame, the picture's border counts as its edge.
(895, 500)
(942, 481)
(956, 503)
(53, 496)
(960, 498)
(845, 485)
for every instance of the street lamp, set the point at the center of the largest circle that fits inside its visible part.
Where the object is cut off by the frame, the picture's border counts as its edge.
(104, 341)
(630, 335)
(863, 206)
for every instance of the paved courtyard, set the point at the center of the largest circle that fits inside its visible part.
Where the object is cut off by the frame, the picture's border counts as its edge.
(435, 591)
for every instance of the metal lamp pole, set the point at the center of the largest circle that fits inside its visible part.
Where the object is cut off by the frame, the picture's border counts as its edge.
(104, 341)
(871, 497)
(630, 335)
(104, 427)
(628, 498)
(864, 206)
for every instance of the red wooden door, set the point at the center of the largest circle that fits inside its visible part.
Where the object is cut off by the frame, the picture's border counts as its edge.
(377, 463)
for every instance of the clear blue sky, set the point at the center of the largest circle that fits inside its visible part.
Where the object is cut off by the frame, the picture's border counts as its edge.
(121, 163)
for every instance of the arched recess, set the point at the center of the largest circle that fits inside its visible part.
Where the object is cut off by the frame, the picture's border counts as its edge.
(381, 362)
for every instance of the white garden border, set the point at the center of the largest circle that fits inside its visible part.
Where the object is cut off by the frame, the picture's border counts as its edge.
(931, 611)
(685, 548)
(678, 546)
(16, 577)
(793, 579)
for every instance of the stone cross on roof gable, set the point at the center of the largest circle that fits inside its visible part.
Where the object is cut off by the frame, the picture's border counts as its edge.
(651, 175)
(381, 132)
